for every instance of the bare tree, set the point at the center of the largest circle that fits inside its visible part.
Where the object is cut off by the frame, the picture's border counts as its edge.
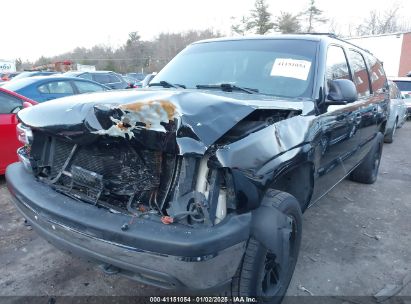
(241, 27)
(382, 23)
(313, 15)
(287, 23)
(334, 27)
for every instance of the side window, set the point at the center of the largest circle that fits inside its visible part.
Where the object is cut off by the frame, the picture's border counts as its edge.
(377, 74)
(87, 87)
(336, 67)
(56, 87)
(8, 103)
(101, 78)
(360, 73)
(114, 78)
(86, 76)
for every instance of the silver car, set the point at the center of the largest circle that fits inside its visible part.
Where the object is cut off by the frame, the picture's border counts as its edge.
(398, 112)
(404, 84)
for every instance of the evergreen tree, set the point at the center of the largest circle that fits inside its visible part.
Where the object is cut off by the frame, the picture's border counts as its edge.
(313, 15)
(287, 23)
(260, 18)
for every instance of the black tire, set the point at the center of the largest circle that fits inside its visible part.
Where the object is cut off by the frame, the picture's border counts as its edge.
(389, 138)
(367, 171)
(258, 263)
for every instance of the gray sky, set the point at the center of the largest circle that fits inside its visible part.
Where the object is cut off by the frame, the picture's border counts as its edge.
(31, 29)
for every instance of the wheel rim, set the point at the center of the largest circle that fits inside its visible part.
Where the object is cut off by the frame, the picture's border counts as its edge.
(271, 280)
(274, 275)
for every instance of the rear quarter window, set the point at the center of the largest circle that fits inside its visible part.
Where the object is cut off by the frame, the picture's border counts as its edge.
(377, 73)
(114, 78)
(101, 78)
(359, 73)
(88, 87)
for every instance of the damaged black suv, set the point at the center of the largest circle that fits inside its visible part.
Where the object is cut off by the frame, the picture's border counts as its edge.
(200, 180)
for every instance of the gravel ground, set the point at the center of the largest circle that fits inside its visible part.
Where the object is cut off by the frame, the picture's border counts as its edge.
(356, 240)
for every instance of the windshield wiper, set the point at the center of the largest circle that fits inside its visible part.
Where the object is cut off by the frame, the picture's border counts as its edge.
(227, 87)
(166, 84)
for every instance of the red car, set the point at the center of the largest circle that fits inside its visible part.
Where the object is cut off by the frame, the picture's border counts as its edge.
(10, 104)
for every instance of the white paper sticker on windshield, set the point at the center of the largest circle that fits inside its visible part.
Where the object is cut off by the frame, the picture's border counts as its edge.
(287, 67)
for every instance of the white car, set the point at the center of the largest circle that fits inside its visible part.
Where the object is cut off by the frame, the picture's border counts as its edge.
(404, 84)
(398, 112)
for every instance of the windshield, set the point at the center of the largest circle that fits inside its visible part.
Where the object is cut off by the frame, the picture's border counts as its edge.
(279, 67)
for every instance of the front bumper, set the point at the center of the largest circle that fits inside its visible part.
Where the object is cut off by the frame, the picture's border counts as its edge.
(167, 256)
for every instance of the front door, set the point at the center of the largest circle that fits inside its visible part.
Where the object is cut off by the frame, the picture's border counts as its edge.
(339, 130)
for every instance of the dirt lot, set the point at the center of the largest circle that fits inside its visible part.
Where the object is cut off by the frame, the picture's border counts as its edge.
(356, 240)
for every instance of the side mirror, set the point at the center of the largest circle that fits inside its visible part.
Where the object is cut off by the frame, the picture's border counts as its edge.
(27, 104)
(341, 92)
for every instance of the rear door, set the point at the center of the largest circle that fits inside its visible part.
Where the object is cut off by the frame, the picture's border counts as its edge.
(373, 92)
(9, 105)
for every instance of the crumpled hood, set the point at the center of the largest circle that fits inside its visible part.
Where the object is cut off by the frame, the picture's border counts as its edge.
(189, 120)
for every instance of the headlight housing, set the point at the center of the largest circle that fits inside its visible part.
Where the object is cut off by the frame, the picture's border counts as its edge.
(24, 134)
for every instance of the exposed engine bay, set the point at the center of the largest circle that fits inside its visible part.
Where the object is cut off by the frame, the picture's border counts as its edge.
(144, 159)
(124, 179)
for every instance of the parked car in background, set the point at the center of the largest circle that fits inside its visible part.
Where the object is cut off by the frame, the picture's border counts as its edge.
(33, 73)
(200, 180)
(404, 84)
(136, 76)
(10, 104)
(43, 88)
(146, 81)
(8, 76)
(111, 79)
(397, 114)
(131, 81)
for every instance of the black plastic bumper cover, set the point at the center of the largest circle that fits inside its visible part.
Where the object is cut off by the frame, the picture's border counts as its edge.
(177, 255)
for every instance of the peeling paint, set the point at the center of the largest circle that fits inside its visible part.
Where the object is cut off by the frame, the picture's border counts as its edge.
(138, 115)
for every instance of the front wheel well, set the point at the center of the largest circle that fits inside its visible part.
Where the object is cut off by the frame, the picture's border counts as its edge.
(297, 181)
